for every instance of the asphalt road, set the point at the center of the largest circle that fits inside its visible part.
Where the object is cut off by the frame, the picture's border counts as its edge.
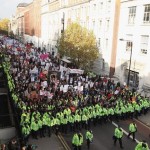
(103, 136)
(143, 131)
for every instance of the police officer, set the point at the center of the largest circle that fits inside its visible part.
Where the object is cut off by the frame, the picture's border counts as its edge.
(77, 121)
(84, 121)
(132, 130)
(142, 146)
(89, 138)
(26, 131)
(80, 140)
(118, 134)
(71, 122)
(40, 127)
(75, 141)
(34, 128)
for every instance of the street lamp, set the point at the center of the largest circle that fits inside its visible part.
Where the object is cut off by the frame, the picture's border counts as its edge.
(128, 79)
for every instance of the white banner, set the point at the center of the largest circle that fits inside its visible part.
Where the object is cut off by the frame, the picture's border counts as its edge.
(65, 89)
(77, 71)
(61, 88)
(80, 88)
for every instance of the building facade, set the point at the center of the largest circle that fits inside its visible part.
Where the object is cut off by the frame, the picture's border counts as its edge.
(100, 16)
(33, 23)
(26, 24)
(133, 51)
(17, 21)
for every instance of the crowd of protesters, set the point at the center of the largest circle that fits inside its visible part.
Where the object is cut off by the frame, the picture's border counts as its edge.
(46, 103)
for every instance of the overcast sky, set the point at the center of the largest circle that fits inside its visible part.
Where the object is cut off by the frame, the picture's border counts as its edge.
(8, 7)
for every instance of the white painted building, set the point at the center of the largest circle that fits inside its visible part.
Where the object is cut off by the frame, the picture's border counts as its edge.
(13, 26)
(134, 28)
(101, 16)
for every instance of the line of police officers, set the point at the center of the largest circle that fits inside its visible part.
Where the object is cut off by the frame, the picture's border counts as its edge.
(81, 118)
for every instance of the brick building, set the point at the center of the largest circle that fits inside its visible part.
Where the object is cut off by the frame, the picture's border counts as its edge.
(33, 22)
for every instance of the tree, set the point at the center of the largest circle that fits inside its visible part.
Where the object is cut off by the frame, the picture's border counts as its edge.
(4, 26)
(11, 34)
(79, 44)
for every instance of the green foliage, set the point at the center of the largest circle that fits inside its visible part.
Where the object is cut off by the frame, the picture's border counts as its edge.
(4, 26)
(79, 44)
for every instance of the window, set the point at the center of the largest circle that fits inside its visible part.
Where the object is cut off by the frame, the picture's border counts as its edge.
(93, 24)
(144, 43)
(94, 7)
(75, 12)
(87, 24)
(99, 42)
(128, 45)
(129, 38)
(108, 3)
(78, 12)
(103, 64)
(84, 24)
(82, 11)
(62, 3)
(107, 24)
(132, 14)
(146, 18)
(69, 13)
(101, 5)
(106, 44)
(133, 79)
(100, 24)
(88, 11)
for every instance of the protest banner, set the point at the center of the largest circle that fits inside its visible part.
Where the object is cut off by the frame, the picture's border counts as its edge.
(76, 71)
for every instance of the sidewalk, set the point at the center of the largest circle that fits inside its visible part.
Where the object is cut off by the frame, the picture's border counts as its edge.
(47, 143)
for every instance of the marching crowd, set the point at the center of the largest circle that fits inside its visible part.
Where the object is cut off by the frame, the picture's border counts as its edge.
(45, 106)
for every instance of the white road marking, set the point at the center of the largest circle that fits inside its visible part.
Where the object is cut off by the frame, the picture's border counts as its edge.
(125, 132)
(142, 123)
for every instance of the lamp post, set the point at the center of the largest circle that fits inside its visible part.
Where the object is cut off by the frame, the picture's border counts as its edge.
(128, 79)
